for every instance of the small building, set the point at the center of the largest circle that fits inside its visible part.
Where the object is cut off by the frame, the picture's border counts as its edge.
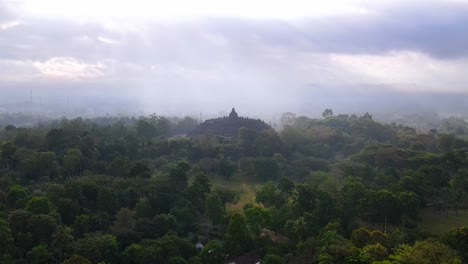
(199, 246)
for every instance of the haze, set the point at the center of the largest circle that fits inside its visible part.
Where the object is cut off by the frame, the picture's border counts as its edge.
(263, 57)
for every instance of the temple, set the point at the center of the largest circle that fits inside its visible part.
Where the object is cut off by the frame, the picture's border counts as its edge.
(228, 126)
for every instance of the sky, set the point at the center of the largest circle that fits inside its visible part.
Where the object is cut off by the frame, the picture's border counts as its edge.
(186, 57)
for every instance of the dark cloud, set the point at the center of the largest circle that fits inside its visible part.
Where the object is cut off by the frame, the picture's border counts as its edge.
(437, 29)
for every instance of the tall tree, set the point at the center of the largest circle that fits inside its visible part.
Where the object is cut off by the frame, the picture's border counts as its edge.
(238, 239)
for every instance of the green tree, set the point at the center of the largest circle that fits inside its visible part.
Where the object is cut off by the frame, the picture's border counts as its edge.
(214, 209)
(227, 195)
(458, 239)
(72, 162)
(177, 179)
(198, 190)
(97, 247)
(286, 186)
(39, 205)
(15, 193)
(425, 252)
(177, 260)
(459, 186)
(213, 253)
(76, 259)
(81, 225)
(327, 113)
(408, 204)
(386, 205)
(124, 227)
(371, 253)
(273, 259)
(107, 200)
(164, 223)
(6, 239)
(39, 255)
(141, 170)
(360, 237)
(7, 152)
(61, 239)
(237, 238)
(257, 218)
(269, 195)
(42, 227)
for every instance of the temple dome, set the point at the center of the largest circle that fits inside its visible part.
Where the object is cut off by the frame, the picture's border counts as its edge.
(228, 126)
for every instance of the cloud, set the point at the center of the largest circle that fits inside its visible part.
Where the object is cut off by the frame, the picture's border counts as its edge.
(10, 24)
(17, 71)
(407, 71)
(394, 46)
(69, 69)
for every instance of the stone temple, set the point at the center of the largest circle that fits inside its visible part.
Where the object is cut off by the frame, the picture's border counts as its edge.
(228, 126)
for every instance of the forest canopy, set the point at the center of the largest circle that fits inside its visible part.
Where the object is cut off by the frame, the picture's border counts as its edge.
(342, 189)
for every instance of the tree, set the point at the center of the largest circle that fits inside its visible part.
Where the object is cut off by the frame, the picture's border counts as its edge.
(72, 162)
(296, 228)
(81, 225)
(425, 252)
(177, 260)
(409, 205)
(273, 259)
(372, 253)
(286, 186)
(213, 253)
(214, 209)
(124, 227)
(76, 259)
(41, 226)
(141, 170)
(97, 247)
(7, 152)
(459, 186)
(226, 195)
(386, 205)
(6, 239)
(147, 251)
(62, 238)
(198, 190)
(458, 240)
(334, 248)
(327, 113)
(269, 195)
(177, 179)
(107, 200)
(39, 255)
(257, 218)
(39, 205)
(174, 246)
(146, 129)
(164, 223)
(305, 198)
(237, 238)
(16, 193)
(124, 221)
(360, 237)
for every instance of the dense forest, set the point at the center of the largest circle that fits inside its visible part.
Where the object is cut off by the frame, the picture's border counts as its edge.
(342, 189)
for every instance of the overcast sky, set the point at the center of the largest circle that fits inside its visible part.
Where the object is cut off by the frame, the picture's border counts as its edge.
(183, 56)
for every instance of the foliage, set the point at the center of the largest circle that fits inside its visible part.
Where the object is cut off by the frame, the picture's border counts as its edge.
(342, 189)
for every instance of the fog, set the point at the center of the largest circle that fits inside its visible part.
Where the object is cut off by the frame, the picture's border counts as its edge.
(353, 57)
